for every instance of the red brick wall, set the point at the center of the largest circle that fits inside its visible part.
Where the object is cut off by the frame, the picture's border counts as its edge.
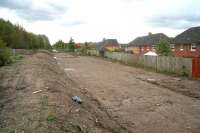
(145, 49)
(187, 51)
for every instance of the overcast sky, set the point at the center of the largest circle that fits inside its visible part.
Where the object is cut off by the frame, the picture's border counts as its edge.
(93, 20)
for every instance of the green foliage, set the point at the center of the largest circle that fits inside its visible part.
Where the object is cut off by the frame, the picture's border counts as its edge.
(51, 118)
(163, 48)
(88, 130)
(71, 45)
(5, 54)
(60, 45)
(83, 49)
(16, 37)
(2, 44)
(65, 46)
(184, 73)
(16, 58)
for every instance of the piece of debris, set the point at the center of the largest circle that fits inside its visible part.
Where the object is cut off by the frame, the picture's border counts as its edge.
(177, 79)
(157, 104)
(69, 69)
(151, 80)
(77, 99)
(77, 110)
(37, 91)
(96, 120)
(54, 57)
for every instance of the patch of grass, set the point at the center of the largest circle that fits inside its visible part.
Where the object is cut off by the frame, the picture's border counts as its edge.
(88, 130)
(184, 73)
(16, 58)
(51, 118)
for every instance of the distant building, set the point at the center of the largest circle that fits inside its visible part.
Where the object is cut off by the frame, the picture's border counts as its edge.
(108, 44)
(187, 44)
(124, 47)
(148, 43)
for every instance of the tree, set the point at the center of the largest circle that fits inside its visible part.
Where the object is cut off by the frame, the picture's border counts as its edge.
(163, 48)
(2, 44)
(15, 36)
(71, 45)
(5, 53)
(59, 45)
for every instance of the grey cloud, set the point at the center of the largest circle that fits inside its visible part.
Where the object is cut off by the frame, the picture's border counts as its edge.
(24, 9)
(183, 15)
(34, 15)
(177, 21)
(14, 4)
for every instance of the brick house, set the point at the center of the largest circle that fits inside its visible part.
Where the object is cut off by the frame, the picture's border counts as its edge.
(148, 43)
(187, 44)
(109, 44)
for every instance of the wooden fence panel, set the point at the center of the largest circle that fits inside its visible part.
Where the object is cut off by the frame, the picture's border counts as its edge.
(177, 65)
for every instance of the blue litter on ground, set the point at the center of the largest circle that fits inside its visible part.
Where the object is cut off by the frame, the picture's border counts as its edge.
(77, 99)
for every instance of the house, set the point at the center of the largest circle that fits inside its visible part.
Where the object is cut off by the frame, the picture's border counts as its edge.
(187, 44)
(148, 43)
(109, 44)
(123, 47)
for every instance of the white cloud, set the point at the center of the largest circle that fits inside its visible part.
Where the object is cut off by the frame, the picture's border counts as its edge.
(92, 20)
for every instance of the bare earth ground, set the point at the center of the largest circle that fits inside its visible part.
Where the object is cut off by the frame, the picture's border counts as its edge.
(116, 98)
(141, 101)
(51, 110)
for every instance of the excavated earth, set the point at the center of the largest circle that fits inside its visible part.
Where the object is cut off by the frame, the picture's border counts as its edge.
(35, 97)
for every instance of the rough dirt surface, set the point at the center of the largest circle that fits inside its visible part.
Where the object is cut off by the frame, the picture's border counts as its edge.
(35, 97)
(139, 100)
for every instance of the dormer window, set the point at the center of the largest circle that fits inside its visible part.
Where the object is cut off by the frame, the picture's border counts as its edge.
(193, 47)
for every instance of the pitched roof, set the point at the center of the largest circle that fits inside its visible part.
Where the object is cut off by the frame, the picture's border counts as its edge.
(151, 39)
(191, 35)
(106, 42)
(110, 42)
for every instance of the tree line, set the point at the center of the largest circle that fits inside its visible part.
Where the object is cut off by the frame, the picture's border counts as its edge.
(15, 36)
(71, 46)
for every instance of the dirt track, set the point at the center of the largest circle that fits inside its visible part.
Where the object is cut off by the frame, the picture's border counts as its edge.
(141, 101)
(116, 98)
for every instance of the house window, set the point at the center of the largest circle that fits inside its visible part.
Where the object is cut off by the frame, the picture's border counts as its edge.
(172, 46)
(153, 47)
(193, 47)
(181, 47)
